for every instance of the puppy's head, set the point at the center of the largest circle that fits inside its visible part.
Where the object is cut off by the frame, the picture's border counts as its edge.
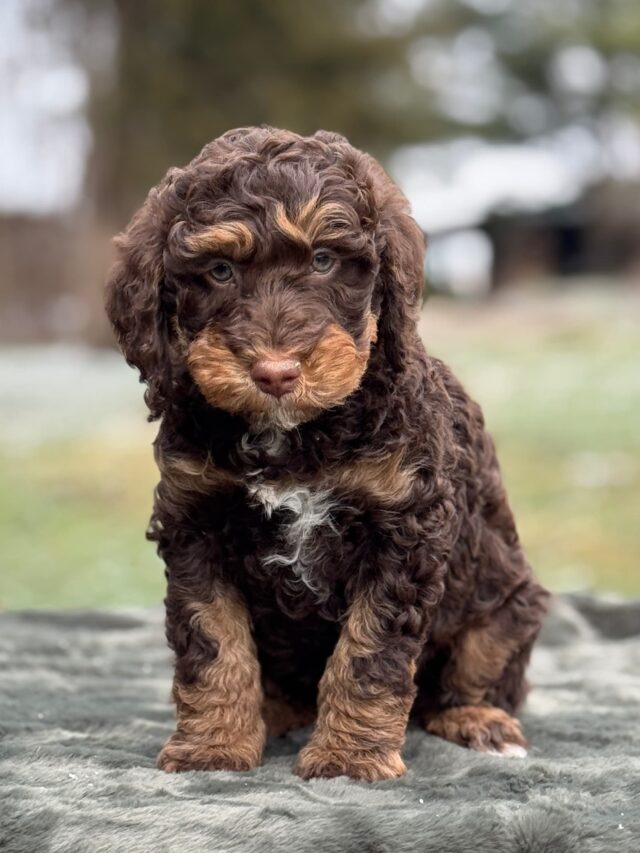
(264, 272)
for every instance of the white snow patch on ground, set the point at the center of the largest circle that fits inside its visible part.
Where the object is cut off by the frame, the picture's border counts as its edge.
(50, 393)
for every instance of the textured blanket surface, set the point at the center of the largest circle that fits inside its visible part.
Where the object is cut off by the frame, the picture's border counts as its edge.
(84, 708)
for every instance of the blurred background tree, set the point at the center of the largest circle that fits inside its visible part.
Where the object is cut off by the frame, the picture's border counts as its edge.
(187, 71)
(383, 73)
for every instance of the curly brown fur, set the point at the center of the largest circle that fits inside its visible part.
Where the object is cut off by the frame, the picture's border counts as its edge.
(216, 688)
(282, 717)
(348, 545)
(483, 728)
(361, 721)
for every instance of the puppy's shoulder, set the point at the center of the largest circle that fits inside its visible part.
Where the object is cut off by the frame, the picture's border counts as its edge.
(194, 473)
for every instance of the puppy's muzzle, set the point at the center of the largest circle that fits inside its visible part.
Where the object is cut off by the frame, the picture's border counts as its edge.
(276, 377)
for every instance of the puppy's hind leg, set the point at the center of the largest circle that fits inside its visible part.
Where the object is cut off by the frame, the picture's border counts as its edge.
(484, 683)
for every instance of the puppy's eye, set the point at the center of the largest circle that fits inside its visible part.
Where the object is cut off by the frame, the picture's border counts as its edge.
(221, 271)
(322, 261)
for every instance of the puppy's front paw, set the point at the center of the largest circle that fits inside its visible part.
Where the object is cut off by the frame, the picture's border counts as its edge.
(182, 753)
(367, 765)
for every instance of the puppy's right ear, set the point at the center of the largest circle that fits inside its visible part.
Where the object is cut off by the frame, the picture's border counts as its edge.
(134, 288)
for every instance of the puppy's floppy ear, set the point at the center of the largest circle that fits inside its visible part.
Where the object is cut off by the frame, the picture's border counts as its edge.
(134, 299)
(400, 284)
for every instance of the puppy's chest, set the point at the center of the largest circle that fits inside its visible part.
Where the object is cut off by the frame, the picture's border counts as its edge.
(303, 541)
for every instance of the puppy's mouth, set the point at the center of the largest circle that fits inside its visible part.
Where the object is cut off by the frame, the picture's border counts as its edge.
(275, 387)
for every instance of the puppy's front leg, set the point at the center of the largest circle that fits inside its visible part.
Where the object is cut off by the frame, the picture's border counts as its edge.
(367, 690)
(364, 700)
(216, 685)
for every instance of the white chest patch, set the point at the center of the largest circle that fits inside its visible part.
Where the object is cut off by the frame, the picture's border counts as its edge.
(311, 508)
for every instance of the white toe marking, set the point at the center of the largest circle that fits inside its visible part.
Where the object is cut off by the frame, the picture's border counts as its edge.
(513, 750)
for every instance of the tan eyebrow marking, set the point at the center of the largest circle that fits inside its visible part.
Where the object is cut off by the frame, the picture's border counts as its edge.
(291, 229)
(233, 238)
(313, 221)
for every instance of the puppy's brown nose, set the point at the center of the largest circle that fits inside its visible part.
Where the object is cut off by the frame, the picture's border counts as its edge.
(276, 377)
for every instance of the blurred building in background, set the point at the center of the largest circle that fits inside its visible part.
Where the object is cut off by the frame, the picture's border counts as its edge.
(513, 126)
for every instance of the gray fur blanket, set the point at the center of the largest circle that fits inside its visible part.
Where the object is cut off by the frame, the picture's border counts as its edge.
(84, 708)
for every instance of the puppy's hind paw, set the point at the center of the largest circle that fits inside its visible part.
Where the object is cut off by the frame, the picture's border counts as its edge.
(482, 727)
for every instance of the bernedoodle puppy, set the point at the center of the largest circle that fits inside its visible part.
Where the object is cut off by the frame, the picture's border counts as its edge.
(338, 544)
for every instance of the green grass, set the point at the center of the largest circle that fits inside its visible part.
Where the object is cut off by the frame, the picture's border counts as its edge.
(72, 522)
(563, 402)
(564, 408)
